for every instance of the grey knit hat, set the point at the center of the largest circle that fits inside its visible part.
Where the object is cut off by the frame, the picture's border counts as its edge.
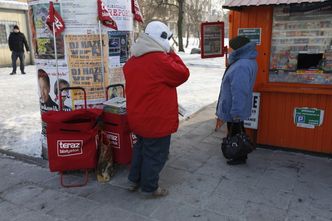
(238, 42)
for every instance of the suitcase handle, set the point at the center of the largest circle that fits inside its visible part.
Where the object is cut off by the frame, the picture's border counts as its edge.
(114, 85)
(72, 88)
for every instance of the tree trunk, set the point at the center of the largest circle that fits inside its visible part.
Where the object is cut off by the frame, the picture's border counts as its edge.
(199, 39)
(180, 24)
(187, 43)
(175, 42)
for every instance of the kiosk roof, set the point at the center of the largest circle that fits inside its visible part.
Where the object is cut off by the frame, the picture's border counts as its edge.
(229, 4)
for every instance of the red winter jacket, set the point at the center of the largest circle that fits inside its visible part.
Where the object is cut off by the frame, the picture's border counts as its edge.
(152, 76)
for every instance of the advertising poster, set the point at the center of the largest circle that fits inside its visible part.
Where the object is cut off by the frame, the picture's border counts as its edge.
(212, 42)
(80, 16)
(85, 69)
(47, 93)
(116, 92)
(48, 90)
(42, 37)
(212, 37)
(119, 44)
(116, 76)
(121, 13)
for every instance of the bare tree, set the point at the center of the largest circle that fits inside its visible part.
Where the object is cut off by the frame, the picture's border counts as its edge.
(189, 14)
(180, 23)
(156, 9)
(194, 12)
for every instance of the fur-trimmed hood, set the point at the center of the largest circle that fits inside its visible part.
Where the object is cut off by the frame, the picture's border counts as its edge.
(144, 45)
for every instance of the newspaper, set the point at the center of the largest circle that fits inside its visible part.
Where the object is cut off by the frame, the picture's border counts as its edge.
(182, 111)
(115, 105)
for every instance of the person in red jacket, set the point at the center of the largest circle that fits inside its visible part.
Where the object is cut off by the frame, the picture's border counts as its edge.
(152, 75)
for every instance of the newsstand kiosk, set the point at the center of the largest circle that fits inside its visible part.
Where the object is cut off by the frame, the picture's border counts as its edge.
(294, 81)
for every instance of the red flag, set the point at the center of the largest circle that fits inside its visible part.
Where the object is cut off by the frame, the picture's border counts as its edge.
(136, 11)
(105, 16)
(54, 17)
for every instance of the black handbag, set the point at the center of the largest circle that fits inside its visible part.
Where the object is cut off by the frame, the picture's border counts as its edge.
(236, 146)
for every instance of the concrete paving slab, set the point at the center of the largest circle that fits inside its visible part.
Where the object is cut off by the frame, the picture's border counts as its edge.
(74, 208)
(10, 211)
(261, 212)
(35, 216)
(21, 194)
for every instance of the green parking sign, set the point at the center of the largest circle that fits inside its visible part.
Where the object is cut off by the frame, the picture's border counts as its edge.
(308, 117)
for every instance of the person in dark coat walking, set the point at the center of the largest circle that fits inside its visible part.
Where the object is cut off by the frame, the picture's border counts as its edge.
(16, 42)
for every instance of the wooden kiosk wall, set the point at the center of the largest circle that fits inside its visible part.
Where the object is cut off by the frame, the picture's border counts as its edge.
(276, 125)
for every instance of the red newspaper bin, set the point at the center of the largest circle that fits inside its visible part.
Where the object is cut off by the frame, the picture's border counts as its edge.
(117, 131)
(72, 139)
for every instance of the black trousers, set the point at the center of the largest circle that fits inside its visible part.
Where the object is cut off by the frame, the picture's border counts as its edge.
(234, 128)
(19, 55)
(149, 158)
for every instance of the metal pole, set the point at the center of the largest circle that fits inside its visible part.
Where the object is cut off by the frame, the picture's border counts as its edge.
(28, 20)
(56, 65)
(226, 56)
(101, 55)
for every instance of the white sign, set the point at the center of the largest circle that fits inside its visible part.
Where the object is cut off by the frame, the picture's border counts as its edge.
(80, 17)
(67, 148)
(121, 13)
(252, 122)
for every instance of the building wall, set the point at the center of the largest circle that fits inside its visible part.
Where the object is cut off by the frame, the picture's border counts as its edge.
(8, 18)
(255, 17)
(277, 127)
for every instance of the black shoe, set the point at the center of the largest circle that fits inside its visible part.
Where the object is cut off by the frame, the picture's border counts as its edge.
(12, 73)
(132, 187)
(237, 161)
(23, 72)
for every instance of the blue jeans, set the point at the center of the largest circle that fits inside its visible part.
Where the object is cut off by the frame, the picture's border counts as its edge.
(19, 55)
(148, 159)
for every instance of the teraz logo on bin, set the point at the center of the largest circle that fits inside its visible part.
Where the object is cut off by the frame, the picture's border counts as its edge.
(114, 138)
(69, 147)
(133, 139)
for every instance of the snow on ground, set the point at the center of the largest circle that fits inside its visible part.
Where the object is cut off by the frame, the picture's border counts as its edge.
(20, 123)
(202, 87)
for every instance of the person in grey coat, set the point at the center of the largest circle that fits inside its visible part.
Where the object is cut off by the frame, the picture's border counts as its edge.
(235, 98)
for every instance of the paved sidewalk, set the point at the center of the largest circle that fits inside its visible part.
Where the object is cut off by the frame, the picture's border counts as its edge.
(274, 185)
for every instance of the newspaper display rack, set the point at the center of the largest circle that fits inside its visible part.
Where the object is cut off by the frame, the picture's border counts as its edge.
(116, 127)
(72, 138)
